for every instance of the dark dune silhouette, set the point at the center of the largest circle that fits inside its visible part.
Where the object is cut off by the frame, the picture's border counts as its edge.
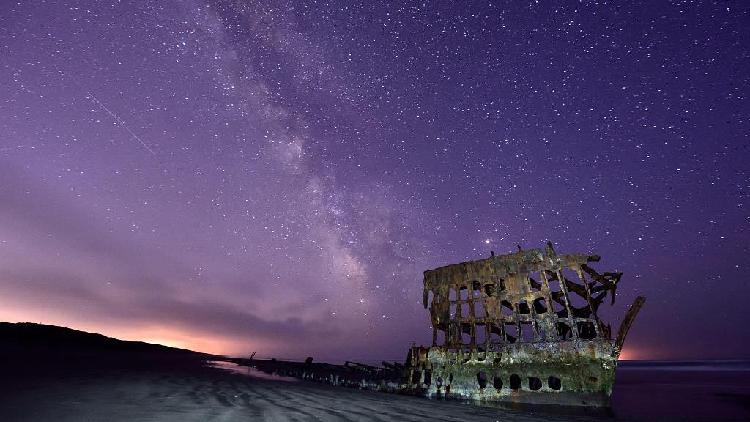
(60, 349)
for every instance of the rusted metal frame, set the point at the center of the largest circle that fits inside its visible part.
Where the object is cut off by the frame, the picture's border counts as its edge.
(548, 294)
(628, 321)
(447, 315)
(574, 287)
(605, 279)
(490, 318)
(558, 296)
(584, 320)
(501, 319)
(551, 255)
(483, 304)
(579, 290)
(534, 322)
(571, 320)
(472, 315)
(591, 306)
(458, 317)
(468, 321)
(459, 339)
(504, 331)
(432, 310)
(532, 311)
(517, 319)
(449, 324)
(535, 284)
(610, 283)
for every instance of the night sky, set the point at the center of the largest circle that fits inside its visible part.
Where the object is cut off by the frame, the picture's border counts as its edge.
(275, 176)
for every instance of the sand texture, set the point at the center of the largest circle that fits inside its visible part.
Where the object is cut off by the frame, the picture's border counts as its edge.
(212, 395)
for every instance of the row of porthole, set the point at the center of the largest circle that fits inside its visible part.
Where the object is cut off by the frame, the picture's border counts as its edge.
(535, 383)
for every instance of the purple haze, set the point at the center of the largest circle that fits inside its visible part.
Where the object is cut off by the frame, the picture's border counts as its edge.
(274, 177)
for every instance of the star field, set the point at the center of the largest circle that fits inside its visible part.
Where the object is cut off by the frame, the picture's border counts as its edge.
(275, 176)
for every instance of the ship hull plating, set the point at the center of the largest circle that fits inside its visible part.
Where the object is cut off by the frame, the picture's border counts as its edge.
(566, 373)
(522, 328)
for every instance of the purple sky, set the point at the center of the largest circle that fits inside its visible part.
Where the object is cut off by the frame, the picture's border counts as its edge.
(275, 176)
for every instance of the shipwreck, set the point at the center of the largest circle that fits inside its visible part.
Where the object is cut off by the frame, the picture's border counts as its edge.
(522, 327)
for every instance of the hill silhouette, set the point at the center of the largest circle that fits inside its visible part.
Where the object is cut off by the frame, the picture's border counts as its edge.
(28, 346)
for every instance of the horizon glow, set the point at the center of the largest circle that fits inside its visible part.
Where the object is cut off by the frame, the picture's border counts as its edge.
(233, 177)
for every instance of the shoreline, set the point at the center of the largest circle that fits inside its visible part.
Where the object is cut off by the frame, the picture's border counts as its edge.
(190, 390)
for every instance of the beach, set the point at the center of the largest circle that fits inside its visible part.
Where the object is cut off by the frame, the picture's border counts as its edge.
(211, 394)
(215, 395)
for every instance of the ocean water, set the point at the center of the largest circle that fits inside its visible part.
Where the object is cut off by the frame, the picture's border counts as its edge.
(248, 371)
(682, 391)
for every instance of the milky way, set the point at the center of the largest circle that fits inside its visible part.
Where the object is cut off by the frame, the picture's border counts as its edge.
(274, 177)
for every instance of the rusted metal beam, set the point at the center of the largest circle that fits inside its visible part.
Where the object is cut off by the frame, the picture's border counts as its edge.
(628, 321)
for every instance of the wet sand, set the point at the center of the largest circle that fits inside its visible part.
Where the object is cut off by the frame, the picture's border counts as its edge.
(188, 392)
(215, 395)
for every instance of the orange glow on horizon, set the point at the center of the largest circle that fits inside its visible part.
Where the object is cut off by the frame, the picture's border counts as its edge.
(146, 332)
(640, 353)
(172, 337)
(628, 354)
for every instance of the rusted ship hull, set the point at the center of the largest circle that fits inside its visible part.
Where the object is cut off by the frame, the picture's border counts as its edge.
(520, 328)
(568, 373)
